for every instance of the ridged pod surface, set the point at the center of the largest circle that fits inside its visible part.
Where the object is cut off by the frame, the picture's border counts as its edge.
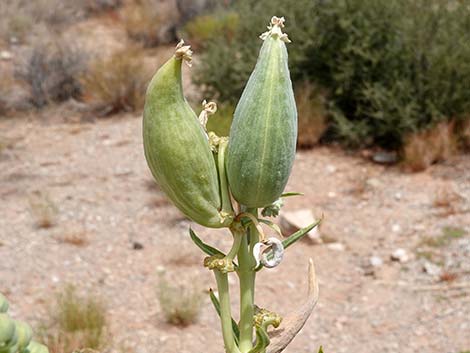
(35, 347)
(3, 304)
(7, 331)
(264, 130)
(177, 149)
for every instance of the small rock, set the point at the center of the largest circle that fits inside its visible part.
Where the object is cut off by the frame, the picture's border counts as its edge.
(331, 194)
(6, 55)
(385, 157)
(431, 269)
(373, 182)
(375, 261)
(398, 196)
(396, 228)
(400, 255)
(295, 220)
(137, 246)
(330, 169)
(336, 246)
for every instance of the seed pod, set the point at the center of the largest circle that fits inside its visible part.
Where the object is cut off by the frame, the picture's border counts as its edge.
(177, 149)
(35, 347)
(24, 332)
(7, 332)
(3, 304)
(264, 130)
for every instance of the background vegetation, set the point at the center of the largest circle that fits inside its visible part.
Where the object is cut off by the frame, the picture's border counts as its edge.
(389, 68)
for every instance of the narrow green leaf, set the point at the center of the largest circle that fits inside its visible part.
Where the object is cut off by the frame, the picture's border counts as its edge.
(289, 194)
(209, 250)
(320, 350)
(262, 341)
(271, 225)
(215, 302)
(300, 234)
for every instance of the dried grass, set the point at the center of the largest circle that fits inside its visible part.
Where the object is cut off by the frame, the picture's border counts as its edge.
(180, 304)
(312, 114)
(43, 209)
(150, 22)
(424, 148)
(117, 83)
(76, 322)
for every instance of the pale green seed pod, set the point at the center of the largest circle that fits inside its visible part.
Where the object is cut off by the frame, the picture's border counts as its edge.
(3, 304)
(177, 149)
(263, 135)
(35, 347)
(25, 334)
(7, 332)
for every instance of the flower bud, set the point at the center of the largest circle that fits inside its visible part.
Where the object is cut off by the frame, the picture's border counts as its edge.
(264, 130)
(177, 149)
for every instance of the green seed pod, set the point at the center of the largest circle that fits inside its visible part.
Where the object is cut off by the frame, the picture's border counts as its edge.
(3, 304)
(177, 149)
(264, 130)
(25, 334)
(35, 347)
(7, 332)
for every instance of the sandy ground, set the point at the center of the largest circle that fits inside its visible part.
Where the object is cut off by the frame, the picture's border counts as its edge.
(96, 177)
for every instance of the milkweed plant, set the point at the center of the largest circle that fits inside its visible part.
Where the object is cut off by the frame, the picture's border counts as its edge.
(234, 182)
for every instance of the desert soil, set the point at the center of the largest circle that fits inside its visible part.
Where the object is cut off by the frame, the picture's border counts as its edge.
(96, 177)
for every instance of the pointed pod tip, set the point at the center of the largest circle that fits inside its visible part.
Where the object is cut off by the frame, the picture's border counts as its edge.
(275, 30)
(184, 52)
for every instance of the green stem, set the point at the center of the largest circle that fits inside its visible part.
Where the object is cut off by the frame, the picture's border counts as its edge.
(225, 194)
(247, 275)
(225, 312)
(237, 240)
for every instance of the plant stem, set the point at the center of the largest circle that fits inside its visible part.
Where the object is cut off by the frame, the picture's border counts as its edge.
(226, 202)
(246, 274)
(225, 312)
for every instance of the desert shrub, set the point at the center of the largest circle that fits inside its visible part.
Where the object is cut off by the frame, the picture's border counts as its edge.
(96, 6)
(391, 67)
(51, 70)
(76, 322)
(203, 29)
(421, 149)
(312, 114)
(18, 18)
(117, 83)
(150, 22)
(180, 304)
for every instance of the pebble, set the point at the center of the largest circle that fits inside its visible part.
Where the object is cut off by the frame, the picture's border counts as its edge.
(431, 269)
(396, 228)
(330, 169)
(376, 261)
(6, 55)
(400, 255)
(336, 246)
(295, 220)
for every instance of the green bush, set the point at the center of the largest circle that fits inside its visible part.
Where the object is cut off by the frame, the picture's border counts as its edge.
(203, 29)
(390, 67)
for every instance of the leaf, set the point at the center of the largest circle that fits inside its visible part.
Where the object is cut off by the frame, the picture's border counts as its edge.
(300, 234)
(215, 301)
(262, 341)
(271, 225)
(320, 350)
(289, 194)
(209, 250)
